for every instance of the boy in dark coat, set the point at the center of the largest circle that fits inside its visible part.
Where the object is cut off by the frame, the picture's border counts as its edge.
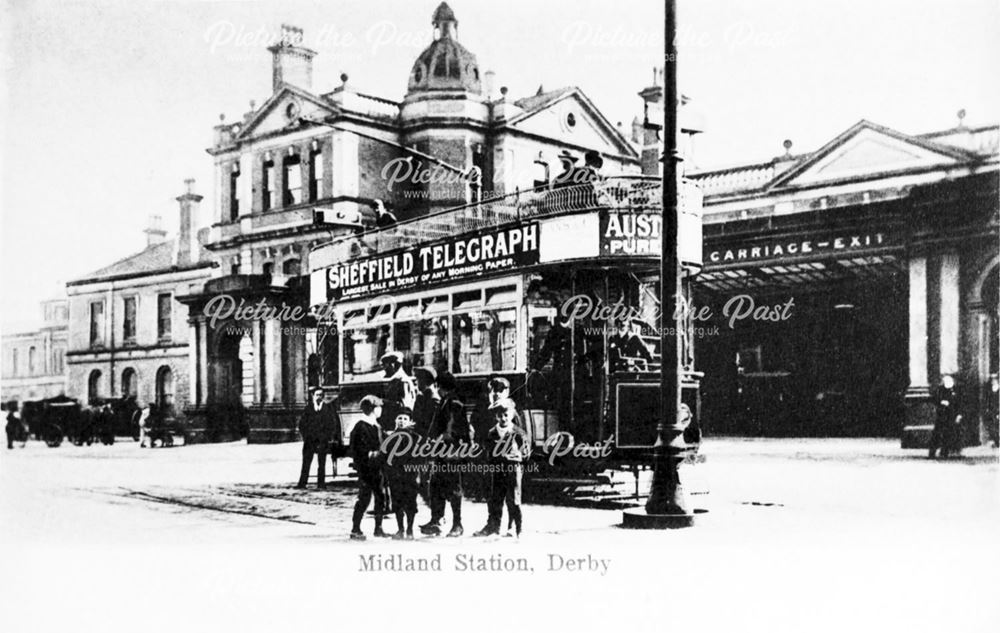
(507, 447)
(401, 472)
(451, 427)
(366, 440)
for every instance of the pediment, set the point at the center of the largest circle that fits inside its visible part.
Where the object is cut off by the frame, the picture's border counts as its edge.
(573, 119)
(283, 110)
(868, 149)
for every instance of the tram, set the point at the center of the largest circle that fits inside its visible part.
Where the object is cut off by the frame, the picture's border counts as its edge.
(557, 290)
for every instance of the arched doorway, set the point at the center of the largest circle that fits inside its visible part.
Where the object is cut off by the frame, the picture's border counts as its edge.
(985, 306)
(94, 386)
(164, 387)
(130, 383)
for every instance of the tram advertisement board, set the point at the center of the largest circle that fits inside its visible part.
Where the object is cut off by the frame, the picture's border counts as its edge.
(446, 260)
(627, 232)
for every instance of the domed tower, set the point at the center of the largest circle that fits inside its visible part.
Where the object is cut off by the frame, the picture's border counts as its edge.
(445, 115)
(445, 64)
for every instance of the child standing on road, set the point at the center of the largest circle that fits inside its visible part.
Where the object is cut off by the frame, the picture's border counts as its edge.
(366, 438)
(507, 447)
(401, 471)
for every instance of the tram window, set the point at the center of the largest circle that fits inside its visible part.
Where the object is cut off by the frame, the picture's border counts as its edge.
(465, 300)
(354, 318)
(502, 295)
(363, 348)
(424, 342)
(407, 311)
(484, 341)
(435, 305)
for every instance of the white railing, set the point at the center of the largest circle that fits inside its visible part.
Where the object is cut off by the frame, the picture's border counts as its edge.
(617, 192)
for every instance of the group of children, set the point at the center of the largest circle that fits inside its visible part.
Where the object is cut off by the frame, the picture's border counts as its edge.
(505, 446)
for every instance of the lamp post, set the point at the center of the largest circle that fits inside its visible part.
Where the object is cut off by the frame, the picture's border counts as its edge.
(667, 504)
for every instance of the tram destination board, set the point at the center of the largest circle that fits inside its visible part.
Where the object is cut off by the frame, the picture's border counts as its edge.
(442, 261)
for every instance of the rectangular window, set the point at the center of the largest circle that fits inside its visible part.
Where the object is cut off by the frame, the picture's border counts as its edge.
(234, 193)
(316, 172)
(164, 314)
(96, 323)
(128, 333)
(484, 341)
(363, 348)
(420, 335)
(14, 369)
(59, 361)
(267, 185)
(293, 180)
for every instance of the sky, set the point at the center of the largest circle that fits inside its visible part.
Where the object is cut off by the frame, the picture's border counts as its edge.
(108, 106)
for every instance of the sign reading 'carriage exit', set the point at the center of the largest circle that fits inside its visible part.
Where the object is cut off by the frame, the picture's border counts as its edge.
(468, 256)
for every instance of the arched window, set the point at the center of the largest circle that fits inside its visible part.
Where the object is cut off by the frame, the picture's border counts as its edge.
(32, 357)
(130, 384)
(94, 385)
(164, 387)
(267, 268)
(291, 268)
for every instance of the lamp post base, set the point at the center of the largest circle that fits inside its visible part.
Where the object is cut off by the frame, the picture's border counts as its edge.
(639, 519)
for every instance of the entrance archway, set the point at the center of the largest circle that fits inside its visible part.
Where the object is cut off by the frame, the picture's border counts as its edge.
(985, 307)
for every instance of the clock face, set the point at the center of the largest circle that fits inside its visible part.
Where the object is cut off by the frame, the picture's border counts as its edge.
(292, 111)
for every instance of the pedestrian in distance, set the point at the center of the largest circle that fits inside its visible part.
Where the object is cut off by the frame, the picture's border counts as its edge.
(946, 435)
(318, 425)
(366, 441)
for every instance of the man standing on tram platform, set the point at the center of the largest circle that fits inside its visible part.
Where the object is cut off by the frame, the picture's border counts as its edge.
(399, 391)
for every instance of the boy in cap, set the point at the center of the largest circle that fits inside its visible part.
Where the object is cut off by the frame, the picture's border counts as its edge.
(507, 447)
(366, 439)
(402, 474)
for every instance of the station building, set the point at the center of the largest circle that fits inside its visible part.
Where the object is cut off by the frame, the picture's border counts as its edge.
(886, 243)
(308, 165)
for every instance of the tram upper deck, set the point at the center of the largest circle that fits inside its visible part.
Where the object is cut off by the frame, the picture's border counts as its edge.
(621, 194)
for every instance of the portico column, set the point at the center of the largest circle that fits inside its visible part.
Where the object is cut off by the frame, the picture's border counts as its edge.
(272, 358)
(202, 325)
(193, 349)
(949, 314)
(919, 412)
(918, 324)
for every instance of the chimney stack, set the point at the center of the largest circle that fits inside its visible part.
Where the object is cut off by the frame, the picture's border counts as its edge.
(291, 62)
(155, 233)
(187, 239)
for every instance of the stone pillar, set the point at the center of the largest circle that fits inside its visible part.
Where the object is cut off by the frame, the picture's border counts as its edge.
(272, 359)
(202, 328)
(949, 315)
(919, 411)
(194, 388)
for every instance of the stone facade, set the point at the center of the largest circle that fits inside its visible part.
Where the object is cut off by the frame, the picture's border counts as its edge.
(128, 334)
(34, 362)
